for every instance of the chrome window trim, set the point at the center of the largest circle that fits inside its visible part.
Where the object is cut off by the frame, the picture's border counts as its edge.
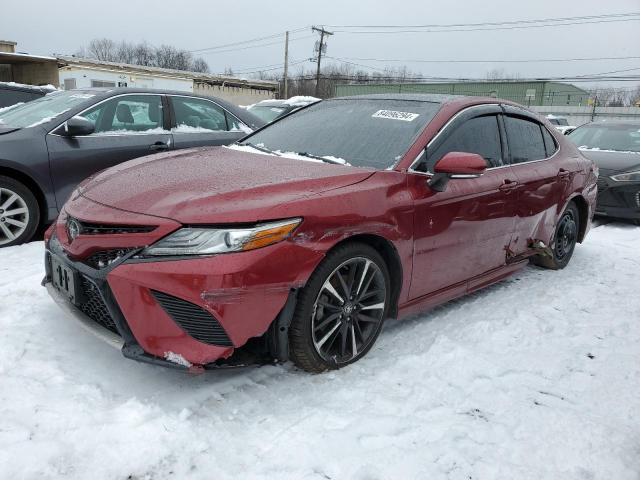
(50, 132)
(168, 132)
(452, 119)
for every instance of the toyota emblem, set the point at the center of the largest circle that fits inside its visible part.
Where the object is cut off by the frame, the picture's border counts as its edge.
(73, 229)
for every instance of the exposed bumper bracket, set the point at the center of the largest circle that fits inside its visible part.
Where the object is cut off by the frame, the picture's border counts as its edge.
(278, 335)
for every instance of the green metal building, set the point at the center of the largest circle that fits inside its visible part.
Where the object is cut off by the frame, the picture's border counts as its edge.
(525, 92)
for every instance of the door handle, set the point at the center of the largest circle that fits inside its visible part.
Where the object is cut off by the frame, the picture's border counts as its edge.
(508, 186)
(562, 173)
(159, 146)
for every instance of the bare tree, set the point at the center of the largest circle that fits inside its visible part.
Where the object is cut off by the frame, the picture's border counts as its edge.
(164, 56)
(199, 65)
(144, 54)
(103, 49)
(634, 97)
(126, 52)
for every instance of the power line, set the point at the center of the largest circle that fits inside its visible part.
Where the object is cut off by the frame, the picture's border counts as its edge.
(613, 71)
(414, 79)
(509, 22)
(251, 40)
(257, 46)
(453, 30)
(583, 59)
(265, 69)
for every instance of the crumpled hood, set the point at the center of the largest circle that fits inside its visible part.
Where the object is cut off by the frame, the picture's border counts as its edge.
(215, 185)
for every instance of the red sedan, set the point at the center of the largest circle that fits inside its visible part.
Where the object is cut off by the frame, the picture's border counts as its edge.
(300, 241)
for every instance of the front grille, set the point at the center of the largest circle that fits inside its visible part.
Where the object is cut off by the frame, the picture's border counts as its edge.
(196, 321)
(105, 258)
(87, 228)
(638, 198)
(94, 307)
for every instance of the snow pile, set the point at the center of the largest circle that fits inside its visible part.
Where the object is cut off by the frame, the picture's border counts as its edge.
(534, 378)
(49, 87)
(4, 109)
(301, 100)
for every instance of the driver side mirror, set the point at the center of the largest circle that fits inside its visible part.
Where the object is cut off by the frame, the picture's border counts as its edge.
(78, 126)
(456, 165)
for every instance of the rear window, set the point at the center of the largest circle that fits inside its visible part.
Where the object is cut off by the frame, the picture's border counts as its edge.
(549, 142)
(363, 132)
(525, 140)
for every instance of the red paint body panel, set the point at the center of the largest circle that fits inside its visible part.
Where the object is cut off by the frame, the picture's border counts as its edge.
(243, 291)
(448, 243)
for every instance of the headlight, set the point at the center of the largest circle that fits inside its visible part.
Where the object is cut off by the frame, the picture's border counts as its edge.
(207, 241)
(627, 177)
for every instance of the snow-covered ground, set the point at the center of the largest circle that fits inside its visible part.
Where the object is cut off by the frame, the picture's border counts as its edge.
(535, 378)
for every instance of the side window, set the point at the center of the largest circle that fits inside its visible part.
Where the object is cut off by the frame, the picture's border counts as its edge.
(549, 142)
(479, 135)
(525, 140)
(129, 113)
(194, 115)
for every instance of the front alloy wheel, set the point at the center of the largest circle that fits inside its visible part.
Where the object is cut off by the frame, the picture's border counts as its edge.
(19, 214)
(341, 310)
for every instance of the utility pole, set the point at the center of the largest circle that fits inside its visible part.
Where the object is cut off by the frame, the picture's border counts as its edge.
(322, 32)
(286, 65)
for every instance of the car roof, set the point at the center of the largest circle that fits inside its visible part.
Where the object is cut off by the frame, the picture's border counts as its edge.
(413, 97)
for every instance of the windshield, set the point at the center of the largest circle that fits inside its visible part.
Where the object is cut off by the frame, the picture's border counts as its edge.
(363, 132)
(43, 109)
(622, 138)
(268, 114)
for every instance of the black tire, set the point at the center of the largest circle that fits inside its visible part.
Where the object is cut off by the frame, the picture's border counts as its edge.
(303, 349)
(31, 218)
(564, 240)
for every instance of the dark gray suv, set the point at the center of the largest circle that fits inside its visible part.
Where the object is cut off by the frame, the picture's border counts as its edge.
(51, 144)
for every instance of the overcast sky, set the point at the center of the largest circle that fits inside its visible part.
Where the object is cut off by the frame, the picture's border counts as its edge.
(45, 27)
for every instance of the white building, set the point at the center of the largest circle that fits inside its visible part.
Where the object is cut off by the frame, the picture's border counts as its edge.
(72, 72)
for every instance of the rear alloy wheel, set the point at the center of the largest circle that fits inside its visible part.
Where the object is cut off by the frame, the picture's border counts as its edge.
(341, 310)
(564, 240)
(19, 214)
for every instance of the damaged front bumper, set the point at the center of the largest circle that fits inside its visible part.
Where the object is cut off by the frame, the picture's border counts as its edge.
(135, 305)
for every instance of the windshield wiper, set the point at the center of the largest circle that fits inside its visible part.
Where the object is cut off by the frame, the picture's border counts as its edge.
(316, 157)
(262, 149)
